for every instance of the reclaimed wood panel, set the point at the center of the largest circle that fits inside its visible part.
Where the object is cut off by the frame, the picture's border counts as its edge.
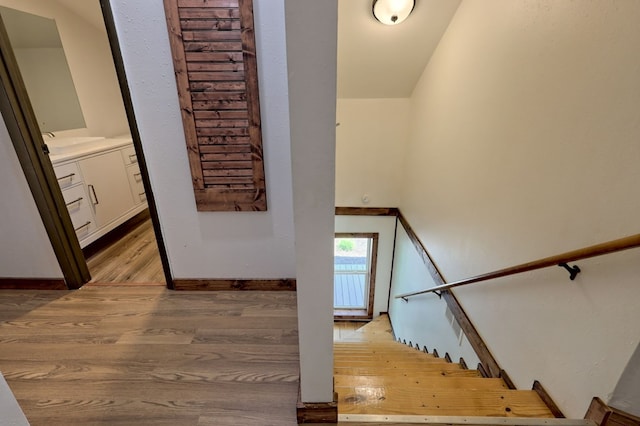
(213, 46)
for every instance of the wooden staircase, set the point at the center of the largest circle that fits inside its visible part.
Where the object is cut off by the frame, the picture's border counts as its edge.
(377, 378)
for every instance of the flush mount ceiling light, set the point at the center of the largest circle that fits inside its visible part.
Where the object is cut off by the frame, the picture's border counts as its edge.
(392, 12)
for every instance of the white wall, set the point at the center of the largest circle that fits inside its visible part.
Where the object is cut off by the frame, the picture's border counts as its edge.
(422, 321)
(370, 143)
(524, 144)
(25, 251)
(89, 57)
(626, 395)
(211, 244)
(385, 227)
(311, 59)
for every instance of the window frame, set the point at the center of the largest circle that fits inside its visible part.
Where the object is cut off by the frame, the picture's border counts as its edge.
(362, 314)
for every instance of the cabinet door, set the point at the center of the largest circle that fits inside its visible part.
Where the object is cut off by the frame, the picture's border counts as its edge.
(107, 186)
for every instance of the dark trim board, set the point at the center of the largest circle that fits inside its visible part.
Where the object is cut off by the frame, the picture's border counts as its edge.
(32, 284)
(284, 284)
(317, 412)
(114, 43)
(422, 251)
(546, 398)
(604, 415)
(484, 354)
(367, 211)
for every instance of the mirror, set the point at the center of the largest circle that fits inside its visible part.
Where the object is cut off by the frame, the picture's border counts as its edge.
(38, 49)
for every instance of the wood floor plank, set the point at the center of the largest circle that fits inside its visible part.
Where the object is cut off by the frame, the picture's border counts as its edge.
(132, 259)
(150, 356)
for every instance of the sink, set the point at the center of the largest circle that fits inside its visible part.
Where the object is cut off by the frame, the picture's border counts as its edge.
(65, 145)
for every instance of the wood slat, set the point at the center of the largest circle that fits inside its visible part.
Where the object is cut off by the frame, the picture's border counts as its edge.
(235, 180)
(238, 156)
(210, 165)
(214, 57)
(222, 97)
(212, 149)
(227, 140)
(216, 76)
(222, 123)
(213, 34)
(210, 24)
(208, 3)
(223, 46)
(208, 13)
(214, 66)
(226, 133)
(199, 86)
(222, 115)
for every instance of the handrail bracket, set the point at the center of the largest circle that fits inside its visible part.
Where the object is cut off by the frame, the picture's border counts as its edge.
(439, 293)
(573, 270)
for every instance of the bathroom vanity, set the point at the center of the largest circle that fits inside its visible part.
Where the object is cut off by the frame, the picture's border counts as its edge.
(100, 181)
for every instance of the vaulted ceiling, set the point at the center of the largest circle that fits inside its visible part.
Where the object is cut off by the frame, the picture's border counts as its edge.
(374, 60)
(380, 61)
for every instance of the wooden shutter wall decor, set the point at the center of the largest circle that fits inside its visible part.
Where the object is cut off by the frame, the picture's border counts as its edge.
(214, 56)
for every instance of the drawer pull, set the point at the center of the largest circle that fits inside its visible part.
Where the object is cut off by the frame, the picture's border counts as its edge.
(77, 200)
(142, 194)
(133, 158)
(69, 176)
(82, 226)
(95, 197)
(137, 176)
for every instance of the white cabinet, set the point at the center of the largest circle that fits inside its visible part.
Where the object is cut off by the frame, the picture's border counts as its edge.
(108, 186)
(101, 190)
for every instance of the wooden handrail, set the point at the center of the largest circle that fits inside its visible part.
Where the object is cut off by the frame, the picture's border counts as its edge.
(570, 256)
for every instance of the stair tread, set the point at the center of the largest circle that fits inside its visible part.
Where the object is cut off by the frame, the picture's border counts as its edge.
(360, 371)
(398, 364)
(441, 402)
(424, 382)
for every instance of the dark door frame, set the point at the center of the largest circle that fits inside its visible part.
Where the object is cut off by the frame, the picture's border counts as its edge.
(27, 140)
(107, 13)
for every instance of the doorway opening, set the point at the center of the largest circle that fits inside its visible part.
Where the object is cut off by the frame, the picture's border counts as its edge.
(355, 257)
(80, 122)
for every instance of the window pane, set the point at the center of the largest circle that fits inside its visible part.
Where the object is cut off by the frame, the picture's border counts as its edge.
(351, 278)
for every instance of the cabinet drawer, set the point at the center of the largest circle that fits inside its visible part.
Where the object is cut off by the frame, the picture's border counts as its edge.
(67, 174)
(129, 155)
(135, 181)
(79, 207)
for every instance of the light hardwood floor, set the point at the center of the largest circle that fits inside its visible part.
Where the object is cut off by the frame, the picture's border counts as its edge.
(145, 355)
(131, 259)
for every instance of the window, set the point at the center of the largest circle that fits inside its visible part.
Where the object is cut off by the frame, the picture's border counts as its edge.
(354, 275)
